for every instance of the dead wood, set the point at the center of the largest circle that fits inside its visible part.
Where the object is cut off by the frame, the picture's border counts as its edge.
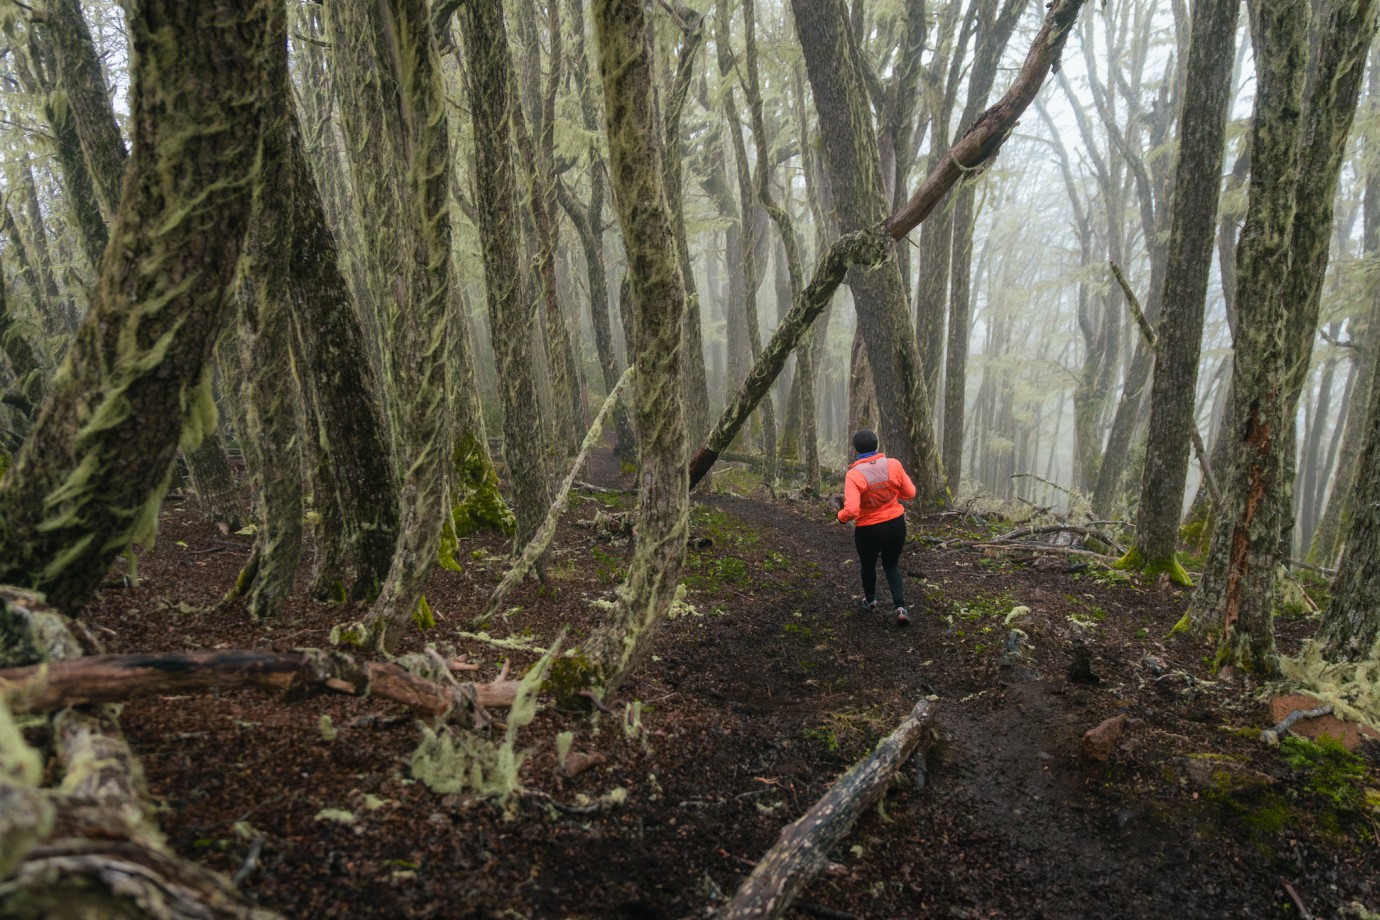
(803, 847)
(116, 678)
(87, 847)
(536, 548)
(1050, 548)
(1274, 732)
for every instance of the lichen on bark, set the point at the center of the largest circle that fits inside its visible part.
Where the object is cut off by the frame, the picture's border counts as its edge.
(100, 457)
(644, 599)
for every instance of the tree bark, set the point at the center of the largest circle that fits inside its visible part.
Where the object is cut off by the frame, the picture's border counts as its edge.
(747, 211)
(1350, 629)
(118, 678)
(658, 294)
(89, 480)
(1237, 590)
(81, 78)
(1197, 185)
(853, 163)
(511, 318)
(272, 393)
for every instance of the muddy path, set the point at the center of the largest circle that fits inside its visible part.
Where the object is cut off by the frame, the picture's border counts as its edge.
(757, 697)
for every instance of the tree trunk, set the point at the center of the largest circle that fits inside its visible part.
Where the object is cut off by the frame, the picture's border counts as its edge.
(214, 483)
(1236, 595)
(82, 79)
(1351, 625)
(511, 318)
(645, 597)
(696, 380)
(118, 678)
(272, 439)
(865, 248)
(1197, 183)
(850, 153)
(747, 210)
(90, 479)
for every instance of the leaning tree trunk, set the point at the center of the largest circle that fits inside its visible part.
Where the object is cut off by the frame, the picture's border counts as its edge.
(511, 320)
(1236, 595)
(851, 157)
(979, 145)
(89, 480)
(1197, 184)
(636, 172)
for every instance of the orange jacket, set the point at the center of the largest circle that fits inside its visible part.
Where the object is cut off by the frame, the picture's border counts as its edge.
(871, 490)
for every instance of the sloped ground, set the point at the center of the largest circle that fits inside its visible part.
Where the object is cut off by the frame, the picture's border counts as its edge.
(754, 702)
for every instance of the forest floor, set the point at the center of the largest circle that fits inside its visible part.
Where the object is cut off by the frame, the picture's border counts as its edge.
(752, 704)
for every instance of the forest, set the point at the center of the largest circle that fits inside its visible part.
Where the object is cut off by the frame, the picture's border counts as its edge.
(432, 435)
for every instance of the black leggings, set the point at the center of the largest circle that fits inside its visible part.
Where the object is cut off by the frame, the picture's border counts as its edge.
(887, 540)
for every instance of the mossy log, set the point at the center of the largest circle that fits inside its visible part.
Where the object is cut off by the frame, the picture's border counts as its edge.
(116, 678)
(803, 847)
(86, 846)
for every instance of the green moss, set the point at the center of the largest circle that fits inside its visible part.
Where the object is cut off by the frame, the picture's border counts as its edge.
(422, 616)
(356, 634)
(449, 546)
(1133, 561)
(4, 461)
(1331, 771)
(1195, 533)
(1184, 624)
(335, 593)
(478, 503)
(1249, 803)
(570, 675)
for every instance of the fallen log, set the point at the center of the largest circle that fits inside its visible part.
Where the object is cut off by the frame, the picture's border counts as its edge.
(88, 846)
(116, 678)
(803, 847)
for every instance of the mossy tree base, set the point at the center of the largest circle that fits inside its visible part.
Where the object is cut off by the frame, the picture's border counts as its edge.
(1152, 570)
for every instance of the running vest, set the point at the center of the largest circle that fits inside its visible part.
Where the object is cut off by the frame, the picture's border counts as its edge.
(876, 471)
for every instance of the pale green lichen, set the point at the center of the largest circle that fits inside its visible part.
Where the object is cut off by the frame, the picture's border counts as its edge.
(449, 760)
(328, 732)
(564, 741)
(19, 763)
(201, 418)
(1351, 687)
(355, 634)
(338, 815)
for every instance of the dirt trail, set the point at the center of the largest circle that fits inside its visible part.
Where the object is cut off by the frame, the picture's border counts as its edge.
(752, 704)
